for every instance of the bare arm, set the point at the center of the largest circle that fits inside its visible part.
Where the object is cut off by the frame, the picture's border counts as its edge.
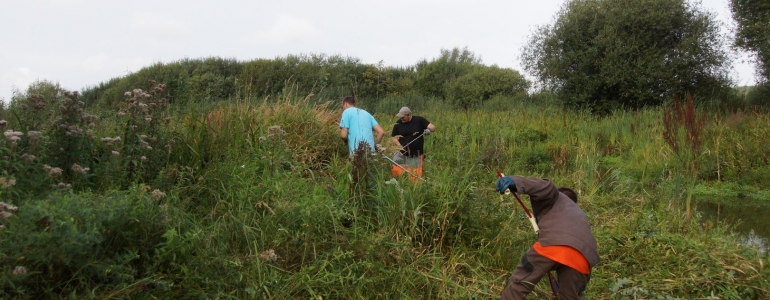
(380, 133)
(344, 134)
(432, 127)
(395, 141)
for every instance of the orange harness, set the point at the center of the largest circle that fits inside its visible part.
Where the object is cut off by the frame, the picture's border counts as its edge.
(564, 255)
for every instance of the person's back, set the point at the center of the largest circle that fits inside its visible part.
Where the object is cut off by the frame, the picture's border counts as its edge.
(565, 242)
(561, 220)
(356, 126)
(359, 124)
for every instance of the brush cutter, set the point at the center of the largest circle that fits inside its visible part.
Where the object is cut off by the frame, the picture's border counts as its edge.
(412, 141)
(554, 284)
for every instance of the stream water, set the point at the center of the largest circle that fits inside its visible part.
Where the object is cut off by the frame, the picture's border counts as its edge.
(750, 219)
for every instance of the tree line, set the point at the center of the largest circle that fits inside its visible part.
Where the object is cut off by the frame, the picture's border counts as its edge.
(596, 55)
(454, 76)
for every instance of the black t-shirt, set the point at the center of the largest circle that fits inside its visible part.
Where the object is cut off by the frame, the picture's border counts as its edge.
(410, 133)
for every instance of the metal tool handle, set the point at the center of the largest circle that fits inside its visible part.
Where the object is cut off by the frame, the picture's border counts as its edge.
(526, 210)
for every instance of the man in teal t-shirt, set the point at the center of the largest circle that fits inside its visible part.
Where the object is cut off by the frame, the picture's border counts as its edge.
(356, 126)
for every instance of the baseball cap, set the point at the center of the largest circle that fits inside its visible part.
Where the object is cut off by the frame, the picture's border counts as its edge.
(403, 112)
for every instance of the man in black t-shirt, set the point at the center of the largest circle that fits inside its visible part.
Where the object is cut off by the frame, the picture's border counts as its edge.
(409, 131)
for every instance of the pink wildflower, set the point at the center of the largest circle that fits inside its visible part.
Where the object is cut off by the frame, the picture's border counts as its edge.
(28, 157)
(157, 195)
(79, 169)
(7, 182)
(55, 172)
(268, 255)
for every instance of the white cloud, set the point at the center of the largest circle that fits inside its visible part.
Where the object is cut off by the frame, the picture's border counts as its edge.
(288, 29)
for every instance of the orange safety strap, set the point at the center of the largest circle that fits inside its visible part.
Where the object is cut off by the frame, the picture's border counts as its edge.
(564, 255)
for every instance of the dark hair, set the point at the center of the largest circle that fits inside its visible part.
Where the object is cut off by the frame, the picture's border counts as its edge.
(350, 100)
(569, 192)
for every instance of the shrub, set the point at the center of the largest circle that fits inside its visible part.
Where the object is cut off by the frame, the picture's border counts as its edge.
(482, 83)
(70, 243)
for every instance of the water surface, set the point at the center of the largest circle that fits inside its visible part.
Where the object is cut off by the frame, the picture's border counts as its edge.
(748, 218)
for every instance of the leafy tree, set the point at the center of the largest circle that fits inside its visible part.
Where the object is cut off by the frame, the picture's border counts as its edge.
(187, 79)
(607, 54)
(482, 83)
(45, 88)
(753, 31)
(31, 108)
(433, 76)
(388, 81)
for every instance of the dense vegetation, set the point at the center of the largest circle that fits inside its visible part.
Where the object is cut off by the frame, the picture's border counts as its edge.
(226, 179)
(608, 54)
(453, 76)
(753, 32)
(249, 199)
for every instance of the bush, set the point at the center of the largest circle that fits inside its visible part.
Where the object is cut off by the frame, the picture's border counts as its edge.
(482, 83)
(31, 109)
(70, 243)
(390, 105)
(759, 95)
(433, 76)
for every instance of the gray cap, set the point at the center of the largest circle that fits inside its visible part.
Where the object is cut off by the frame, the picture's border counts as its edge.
(403, 112)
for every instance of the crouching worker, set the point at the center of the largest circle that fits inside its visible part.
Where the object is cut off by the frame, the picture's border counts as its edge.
(564, 243)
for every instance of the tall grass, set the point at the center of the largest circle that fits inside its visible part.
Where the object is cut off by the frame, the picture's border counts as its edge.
(259, 199)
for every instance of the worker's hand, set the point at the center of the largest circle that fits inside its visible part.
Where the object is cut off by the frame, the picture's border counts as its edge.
(505, 183)
(379, 148)
(426, 132)
(345, 140)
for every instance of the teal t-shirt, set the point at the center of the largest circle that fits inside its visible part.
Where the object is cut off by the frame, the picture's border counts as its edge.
(359, 124)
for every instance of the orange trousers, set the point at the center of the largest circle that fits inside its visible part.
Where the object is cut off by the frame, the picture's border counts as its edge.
(397, 171)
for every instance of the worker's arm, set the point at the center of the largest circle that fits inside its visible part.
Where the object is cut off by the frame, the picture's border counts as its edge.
(344, 134)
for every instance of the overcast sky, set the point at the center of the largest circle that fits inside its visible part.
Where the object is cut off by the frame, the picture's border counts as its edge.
(80, 43)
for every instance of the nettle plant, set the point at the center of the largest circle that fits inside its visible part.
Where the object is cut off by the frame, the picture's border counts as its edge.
(143, 149)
